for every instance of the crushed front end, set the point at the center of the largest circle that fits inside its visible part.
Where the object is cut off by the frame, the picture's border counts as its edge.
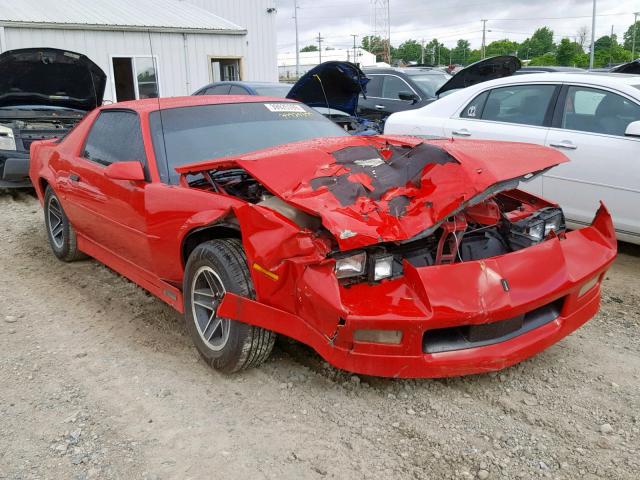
(417, 262)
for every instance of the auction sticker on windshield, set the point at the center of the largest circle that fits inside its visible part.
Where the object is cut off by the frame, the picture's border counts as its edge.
(285, 107)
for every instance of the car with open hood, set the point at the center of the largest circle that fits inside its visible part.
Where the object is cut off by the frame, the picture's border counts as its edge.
(390, 256)
(392, 90)
(44, 92)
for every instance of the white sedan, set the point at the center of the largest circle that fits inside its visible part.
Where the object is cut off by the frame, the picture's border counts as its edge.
(593, 118)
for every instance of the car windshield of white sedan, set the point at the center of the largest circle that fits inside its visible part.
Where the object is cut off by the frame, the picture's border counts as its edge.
(430, 83)
(193, 134)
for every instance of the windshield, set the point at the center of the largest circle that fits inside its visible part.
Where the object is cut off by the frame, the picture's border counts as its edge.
(279, 91)
(430, 83)
(206, 132)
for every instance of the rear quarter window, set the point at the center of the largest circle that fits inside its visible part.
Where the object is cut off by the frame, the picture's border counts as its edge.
(474, 108)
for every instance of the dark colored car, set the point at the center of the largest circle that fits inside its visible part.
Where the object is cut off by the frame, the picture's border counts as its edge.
(44, 92)
(546, 69)
(264, 89)
(632, 67)
(393, 90)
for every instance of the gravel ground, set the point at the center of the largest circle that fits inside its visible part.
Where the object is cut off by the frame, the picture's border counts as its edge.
(98, 379)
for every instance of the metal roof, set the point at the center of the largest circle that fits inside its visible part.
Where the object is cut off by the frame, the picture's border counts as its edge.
(154, 15)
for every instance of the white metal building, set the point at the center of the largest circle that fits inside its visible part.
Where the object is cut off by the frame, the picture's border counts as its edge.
(308, 60)
(193, 42)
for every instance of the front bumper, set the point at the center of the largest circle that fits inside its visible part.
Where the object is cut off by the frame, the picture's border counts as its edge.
(437, 298)
(14, 169)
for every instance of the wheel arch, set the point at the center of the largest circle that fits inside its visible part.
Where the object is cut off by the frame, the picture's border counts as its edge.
(205, 233)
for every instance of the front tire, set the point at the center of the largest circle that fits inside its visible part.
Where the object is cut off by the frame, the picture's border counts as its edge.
(213, 268)
(61, 234)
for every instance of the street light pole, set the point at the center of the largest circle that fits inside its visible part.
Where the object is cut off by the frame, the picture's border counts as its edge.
(593, 36)
(633, 42)
(295, 18)
(354, 48)
(484, 30)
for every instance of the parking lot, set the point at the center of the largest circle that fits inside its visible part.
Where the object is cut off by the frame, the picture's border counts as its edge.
(69, 331)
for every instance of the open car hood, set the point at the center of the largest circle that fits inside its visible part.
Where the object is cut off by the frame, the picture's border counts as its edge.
(50, 77)
(481, 71)
(369, 190)
(632, 67)
(334, 85)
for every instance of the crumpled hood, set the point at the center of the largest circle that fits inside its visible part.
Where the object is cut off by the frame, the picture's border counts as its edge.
(369, 190)
(482, 71)
(50, 77)
(335, 85)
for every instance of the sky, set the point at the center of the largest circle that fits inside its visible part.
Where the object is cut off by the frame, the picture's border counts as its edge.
(448, 20)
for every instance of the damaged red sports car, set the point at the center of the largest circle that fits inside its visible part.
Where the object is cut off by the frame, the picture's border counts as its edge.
(389, 256)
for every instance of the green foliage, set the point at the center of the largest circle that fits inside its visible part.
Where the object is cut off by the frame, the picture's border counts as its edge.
(609, 52)
(544, 60)
(309, 48)
(567, 51)
(377, 46)
(502, 47)
(409, 51)
(628, 37)
(541, 42)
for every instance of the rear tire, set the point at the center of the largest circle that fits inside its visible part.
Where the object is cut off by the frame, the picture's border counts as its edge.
(61, 234)
(215, 267)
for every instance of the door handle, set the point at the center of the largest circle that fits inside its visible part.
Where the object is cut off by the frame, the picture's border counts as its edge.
(564, 144)
(380, 107)
(463, 132)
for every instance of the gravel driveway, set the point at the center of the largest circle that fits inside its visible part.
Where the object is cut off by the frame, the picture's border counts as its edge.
(98, 379)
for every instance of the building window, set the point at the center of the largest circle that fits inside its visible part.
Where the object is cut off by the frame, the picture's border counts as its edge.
(225, 69)
(135, 77)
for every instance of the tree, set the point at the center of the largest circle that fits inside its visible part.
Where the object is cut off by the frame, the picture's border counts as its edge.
(544, 60)
(609, 52)
(567, 51)
(309, 48)
(502, 47)
(409, 51)
(628, 37)
(460, 52)
(436, 53)
(581, 36)
(541, 42)
(377, 46)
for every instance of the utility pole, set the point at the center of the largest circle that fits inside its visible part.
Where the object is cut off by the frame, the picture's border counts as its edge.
(611, 46)
(633, 42)
(295, 18)
(422, 52)
(593, 36)
(438, 53)
(320, 46)
(484, 31)
(354, 48)
(388, 32)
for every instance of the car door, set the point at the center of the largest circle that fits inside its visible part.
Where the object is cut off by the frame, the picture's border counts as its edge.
(514, 113)
(388, 101)
(589, 127)
(110, 212)
(367, 106)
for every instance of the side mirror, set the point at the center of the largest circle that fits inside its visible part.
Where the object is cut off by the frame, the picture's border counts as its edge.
(408, 97)
(633, 130)
(132, 171)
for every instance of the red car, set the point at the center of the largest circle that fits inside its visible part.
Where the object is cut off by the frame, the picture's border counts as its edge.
(390, 256)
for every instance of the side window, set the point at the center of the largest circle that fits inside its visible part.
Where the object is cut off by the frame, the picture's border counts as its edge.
(115, 136)
(474, 109)
(392, 86)
(598, 111)
(522, 104)
(236, 90)
(218, 90)
(374, 87)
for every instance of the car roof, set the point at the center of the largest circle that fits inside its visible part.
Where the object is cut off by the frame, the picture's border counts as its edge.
(153, 104)
(600, 78)
(406, 71)
(242, 82)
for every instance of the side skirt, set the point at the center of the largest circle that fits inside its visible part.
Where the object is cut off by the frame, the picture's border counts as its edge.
(145, 279)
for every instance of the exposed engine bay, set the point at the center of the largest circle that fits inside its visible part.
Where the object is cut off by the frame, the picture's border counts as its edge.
(498, 224)
(18, 134)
